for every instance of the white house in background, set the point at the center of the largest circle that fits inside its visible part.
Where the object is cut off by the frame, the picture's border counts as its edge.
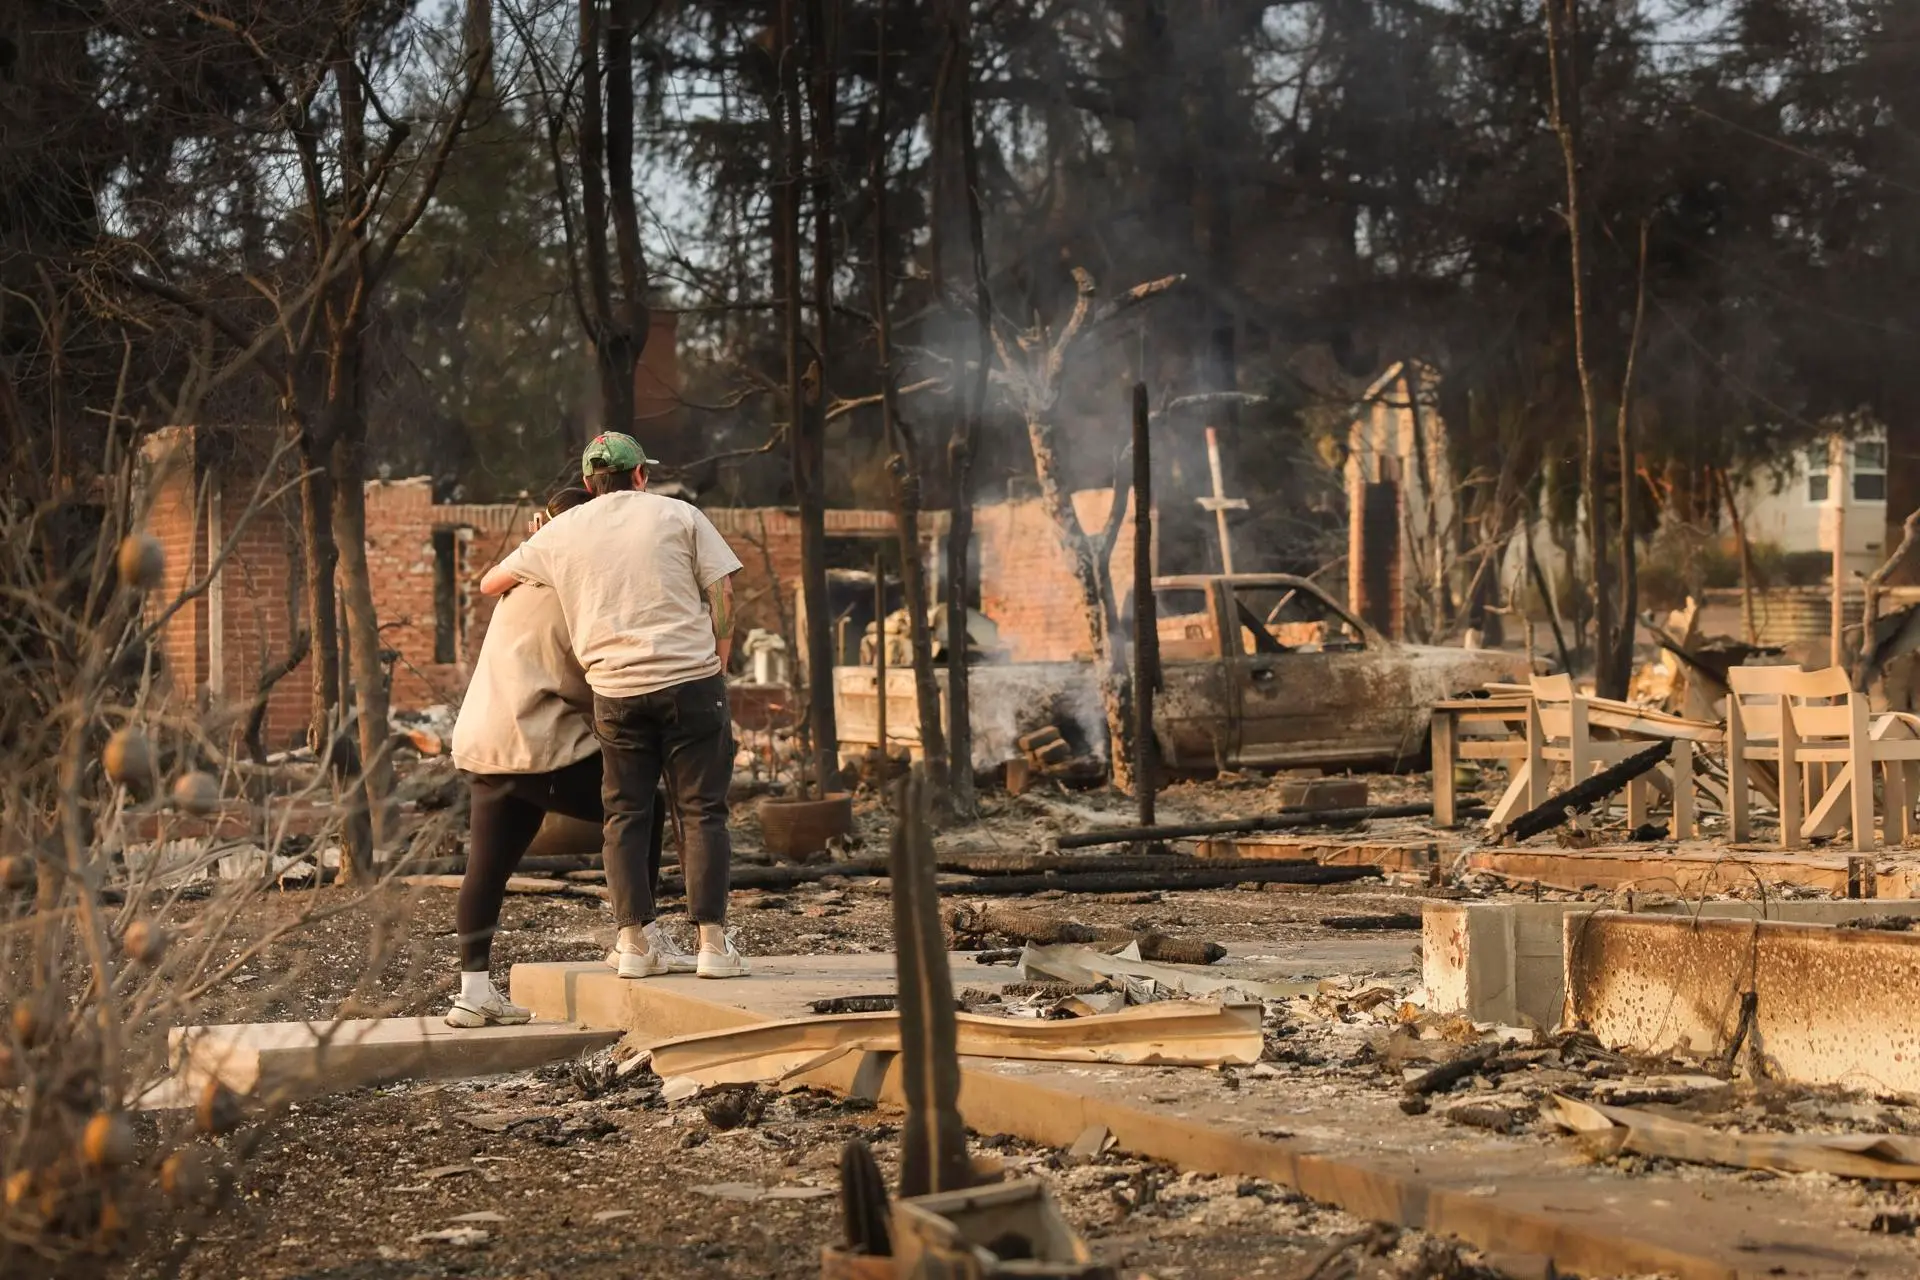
(1848, 476)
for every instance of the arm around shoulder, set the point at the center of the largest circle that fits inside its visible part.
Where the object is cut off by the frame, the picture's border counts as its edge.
(525, 563)
(498, 581)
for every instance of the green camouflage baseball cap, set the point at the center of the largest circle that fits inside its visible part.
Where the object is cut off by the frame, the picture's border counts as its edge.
(613, 451)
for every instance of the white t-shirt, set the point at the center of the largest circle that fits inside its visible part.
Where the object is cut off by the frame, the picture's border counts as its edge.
(528, 708)
(631, 571)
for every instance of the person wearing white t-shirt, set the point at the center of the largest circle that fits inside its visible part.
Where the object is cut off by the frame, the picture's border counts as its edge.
(524, 738)
(646, 585)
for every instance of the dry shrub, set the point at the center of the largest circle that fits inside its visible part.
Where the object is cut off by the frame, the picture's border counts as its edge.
(109, 936)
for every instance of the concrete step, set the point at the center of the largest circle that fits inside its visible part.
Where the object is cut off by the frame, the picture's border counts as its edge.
(282, 1059)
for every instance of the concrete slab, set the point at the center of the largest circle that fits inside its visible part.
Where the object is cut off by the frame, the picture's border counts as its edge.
(1694, 869)
(1505, 962)
(1831, 1006)
(306, 1058)
(1341, 1146)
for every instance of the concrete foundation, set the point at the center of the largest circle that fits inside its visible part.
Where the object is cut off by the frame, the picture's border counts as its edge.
(282, 1059)
(1505, 962)
(1829, 1006)
(1352, 1149)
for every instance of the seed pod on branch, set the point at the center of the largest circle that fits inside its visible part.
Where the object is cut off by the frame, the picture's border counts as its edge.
(108, 1143)
(16, 873)
(129, 759)
(196, 792)
(33, 1022)
(219, 1110)
(142, 562)
(145, 941)
(187, 1175)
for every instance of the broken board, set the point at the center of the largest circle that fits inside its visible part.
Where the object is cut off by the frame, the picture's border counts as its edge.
(291, 1059)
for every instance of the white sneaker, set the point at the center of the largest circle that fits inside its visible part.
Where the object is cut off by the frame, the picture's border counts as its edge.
(637, 964)
(497, 1011)
(722, 964)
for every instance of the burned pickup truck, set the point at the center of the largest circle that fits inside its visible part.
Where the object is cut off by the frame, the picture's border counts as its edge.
(1259, 671)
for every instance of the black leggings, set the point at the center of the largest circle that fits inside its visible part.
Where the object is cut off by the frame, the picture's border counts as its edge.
(507, 811)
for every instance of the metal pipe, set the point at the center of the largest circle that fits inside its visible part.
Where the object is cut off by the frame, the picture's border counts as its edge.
(1146, 633)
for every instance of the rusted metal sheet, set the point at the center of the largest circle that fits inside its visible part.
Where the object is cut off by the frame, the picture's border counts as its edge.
(1830, 1006)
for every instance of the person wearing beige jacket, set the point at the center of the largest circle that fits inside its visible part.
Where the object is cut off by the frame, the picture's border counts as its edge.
(525, 736)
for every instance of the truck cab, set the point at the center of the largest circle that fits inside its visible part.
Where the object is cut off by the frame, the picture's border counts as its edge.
(1265, 670)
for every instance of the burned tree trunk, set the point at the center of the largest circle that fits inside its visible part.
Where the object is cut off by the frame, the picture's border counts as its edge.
(810, 445)
(957, 87)
(903, 462)
(1033, 377)
(1092, 575)
(1563, 40)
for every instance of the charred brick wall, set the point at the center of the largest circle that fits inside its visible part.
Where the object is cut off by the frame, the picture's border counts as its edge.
(426, 560)
(1027, 581)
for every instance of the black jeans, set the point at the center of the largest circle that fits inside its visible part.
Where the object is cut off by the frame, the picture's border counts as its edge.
(682, 735)
(506, 812)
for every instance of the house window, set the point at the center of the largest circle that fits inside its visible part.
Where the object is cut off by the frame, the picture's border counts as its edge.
(1870, 470)
(1818, 476)
(448, 606)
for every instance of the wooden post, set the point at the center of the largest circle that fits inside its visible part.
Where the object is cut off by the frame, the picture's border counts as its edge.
(1219, 503)
(880, 659)
(1445, 754)
(1837, 503)
(1146, 631)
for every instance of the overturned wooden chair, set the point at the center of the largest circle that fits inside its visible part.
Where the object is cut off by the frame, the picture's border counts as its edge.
(1560, 729)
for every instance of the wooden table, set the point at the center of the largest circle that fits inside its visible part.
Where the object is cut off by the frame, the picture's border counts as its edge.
(1474, 729)
(1495, 728)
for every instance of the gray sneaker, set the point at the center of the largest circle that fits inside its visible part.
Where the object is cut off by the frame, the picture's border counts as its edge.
(668, 948)
(663, 955)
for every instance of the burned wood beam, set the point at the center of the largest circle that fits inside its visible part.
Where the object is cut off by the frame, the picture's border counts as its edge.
(1582, 796)
(1186, 877)
(1399, 920)
(1234, 826)
(1448, 1074)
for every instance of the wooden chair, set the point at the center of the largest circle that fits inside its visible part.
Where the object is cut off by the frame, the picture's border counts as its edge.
(1833, 730)
(1760, 732)
(1558, 729)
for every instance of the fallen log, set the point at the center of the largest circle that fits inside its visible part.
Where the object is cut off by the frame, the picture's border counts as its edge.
(527, 866)
(1448, 1074)
(787, 875)
(1077, 875)
(1187, 877)
(515, 884)
(1582, 796)
(1399, 920)
(1235, 826)
(973, 926)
